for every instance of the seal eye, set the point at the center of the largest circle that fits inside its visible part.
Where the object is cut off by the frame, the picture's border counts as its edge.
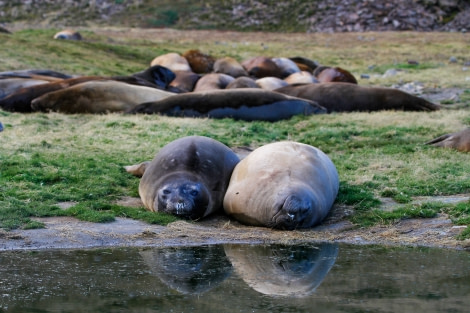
(166, 191)
(193, 193)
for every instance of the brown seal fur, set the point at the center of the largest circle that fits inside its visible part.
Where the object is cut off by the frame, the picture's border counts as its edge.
(97, 97)
(346, 97)
(305, 64)
(242, 103)
(188, 177)
(242, 82)
(229, 66)
(284, 185)
(185, 80)
(270, 83)
(326, 74)
(200, 63)
(20, 101)
(303, 77)
(459, 140)
(213, 81)
(260, 67)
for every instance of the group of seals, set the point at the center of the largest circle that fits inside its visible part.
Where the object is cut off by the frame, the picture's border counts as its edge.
(285, 185)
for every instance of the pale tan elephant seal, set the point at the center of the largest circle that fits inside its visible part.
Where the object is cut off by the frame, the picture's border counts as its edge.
(188, 177)
(284, 185)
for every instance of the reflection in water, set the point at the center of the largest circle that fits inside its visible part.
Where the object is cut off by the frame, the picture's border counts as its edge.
(189, 270)
(283, 270)
(361, 279)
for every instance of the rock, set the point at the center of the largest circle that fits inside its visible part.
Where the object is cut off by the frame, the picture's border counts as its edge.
(390, 73)
(453, 59)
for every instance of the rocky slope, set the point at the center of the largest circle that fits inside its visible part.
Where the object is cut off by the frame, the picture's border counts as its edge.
(262, 15)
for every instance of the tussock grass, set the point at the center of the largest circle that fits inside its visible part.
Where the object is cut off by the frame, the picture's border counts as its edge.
(46, 159)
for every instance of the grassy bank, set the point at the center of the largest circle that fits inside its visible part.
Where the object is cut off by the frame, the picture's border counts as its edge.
(47, 160)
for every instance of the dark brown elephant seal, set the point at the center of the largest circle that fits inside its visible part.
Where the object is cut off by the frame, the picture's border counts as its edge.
(243, 104)
(326, 74)
(346, 97)
(188, 177)
(185, 80)
(199, 62)
(285, 185)
(459, 140)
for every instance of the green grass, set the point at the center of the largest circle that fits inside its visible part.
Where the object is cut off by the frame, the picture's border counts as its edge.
(47, 159)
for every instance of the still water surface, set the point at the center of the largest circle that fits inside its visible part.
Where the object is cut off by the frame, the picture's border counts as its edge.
(237, 278)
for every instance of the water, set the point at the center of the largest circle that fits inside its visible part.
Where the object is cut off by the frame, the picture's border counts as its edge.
(237, 278)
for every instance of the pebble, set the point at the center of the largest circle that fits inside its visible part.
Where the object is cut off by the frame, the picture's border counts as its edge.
(365, 76)
(453, 60)
(1, 126)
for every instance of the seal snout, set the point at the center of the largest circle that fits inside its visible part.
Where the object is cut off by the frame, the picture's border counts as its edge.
(293, 212)
(185, 200)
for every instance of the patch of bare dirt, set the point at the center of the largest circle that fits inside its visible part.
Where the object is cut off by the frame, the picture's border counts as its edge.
(70, 233)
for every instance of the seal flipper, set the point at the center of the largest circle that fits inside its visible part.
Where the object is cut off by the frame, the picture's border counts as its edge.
(137, 169)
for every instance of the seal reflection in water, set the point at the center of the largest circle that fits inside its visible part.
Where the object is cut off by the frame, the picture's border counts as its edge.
(284, 185)
(188, 177)
(189, 270)
(279, 270)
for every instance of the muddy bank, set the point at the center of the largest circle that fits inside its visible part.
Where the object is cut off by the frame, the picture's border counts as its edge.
(70, 233)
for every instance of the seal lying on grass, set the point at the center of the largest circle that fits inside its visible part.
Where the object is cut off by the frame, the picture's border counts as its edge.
(188, 177)
(459, 140)
(347, 97)
(242, 103)
(284, 185)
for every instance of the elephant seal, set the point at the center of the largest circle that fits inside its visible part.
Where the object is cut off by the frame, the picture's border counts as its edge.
(242, 82)
(270, 83)
(199, 62)
(188, 177)
(459, 140)
(20, 100)
(213, 81)
(97, 97)
(303, 77)
(283, 270)
(326, 74)
(247, 104)
(346, 97)
(185, 81)
(284, 185)
(305, 64)
(260, 67)
(172, 61)
(287, 66)
(10, 85)
(68, 34)
(229, 66)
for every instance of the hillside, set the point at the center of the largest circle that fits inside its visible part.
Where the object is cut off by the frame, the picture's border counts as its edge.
(251, 15)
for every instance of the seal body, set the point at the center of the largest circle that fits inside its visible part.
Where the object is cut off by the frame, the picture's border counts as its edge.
(97, 97)
(347, 97)
(459, 140)
(241, 103)
(285, 185)
(188, 177)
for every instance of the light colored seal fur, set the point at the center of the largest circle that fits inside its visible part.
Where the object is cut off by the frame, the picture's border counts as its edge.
(284, 185)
